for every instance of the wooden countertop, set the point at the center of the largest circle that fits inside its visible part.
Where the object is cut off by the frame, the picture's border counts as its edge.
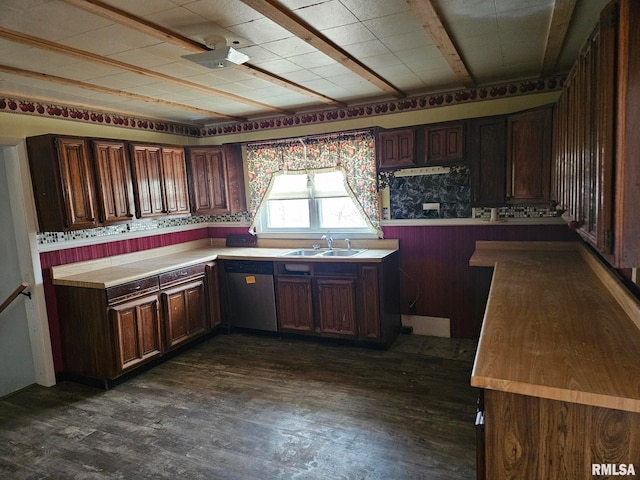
(109, 271)
(557, 325)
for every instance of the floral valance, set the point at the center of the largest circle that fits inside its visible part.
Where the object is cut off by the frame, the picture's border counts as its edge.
(354, 152)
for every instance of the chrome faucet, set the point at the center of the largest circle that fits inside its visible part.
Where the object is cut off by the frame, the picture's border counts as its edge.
(348, 242)
(329, 240)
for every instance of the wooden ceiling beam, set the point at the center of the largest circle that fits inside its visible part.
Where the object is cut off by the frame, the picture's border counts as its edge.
(112, 91)
(428, 16)
(558, 27)
(92, 57)
(287, 20)
(156, 31)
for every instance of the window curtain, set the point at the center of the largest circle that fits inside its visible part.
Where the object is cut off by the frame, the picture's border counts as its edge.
(354, 152)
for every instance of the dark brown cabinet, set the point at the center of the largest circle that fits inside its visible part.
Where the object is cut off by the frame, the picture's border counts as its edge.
(136, 332)
(349, 300)
(184, 304)
(106, 333)
(294, 303)
(337, 306)
(63, 183)
(174, 177)
(369, 302)
(113, 179)
(488, 160)
(445, 143)
(159, 180)
(529, 156)
(396, 149)
(212, 281)
(216, 180)
(596, 173)
(184, 312)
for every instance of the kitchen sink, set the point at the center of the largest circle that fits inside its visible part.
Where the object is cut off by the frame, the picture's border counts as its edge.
(341, 253)
(303, 253)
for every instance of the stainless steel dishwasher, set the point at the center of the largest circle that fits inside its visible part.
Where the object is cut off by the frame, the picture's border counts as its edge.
(252, 299)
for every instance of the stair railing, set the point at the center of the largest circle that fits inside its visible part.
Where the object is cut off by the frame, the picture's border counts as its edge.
(12, 297)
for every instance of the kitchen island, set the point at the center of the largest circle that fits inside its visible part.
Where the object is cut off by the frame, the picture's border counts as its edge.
(558, 363)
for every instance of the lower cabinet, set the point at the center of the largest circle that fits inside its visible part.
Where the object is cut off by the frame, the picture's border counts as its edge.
(532, 437)
(184, 312)
(294, 303)
(350, 300)
(337, 306)
(136, 331)
(106, 333)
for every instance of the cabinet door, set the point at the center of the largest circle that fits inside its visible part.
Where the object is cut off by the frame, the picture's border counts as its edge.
(337, 306)
(396, 149)
(78, 189)
(184, 312)
(208, 179)
(136, 331)
(147, 177)
(295, 305)
(174, 173)
(529, 156)
(489, 161)
(369, 320)
(445, 144)
(235, 179)
(213, 295)
(115, 186)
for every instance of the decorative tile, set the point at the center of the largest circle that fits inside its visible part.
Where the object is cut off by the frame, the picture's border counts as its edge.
(138, 226)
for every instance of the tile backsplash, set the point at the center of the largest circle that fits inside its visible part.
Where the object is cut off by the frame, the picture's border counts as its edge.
(45, 238)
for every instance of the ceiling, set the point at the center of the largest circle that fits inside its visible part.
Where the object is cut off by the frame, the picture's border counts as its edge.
(126, 57)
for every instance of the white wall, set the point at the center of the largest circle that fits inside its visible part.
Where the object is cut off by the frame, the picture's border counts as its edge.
(16, 357)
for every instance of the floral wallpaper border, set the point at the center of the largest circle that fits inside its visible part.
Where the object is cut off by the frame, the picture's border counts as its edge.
(420, 102)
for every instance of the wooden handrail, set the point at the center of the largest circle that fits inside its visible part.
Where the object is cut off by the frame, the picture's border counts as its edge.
(12, 297)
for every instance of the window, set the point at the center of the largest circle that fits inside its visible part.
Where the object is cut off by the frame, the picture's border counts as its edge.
(311, 202)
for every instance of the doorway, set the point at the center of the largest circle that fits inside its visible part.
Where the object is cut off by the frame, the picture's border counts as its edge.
(25, 346)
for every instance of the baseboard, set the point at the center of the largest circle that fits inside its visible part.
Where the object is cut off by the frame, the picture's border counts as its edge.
(432, 326)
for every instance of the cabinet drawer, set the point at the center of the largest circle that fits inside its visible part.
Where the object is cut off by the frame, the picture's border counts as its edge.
(121, 292)
(181, 274)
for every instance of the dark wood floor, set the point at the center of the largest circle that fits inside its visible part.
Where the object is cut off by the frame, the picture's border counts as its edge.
(254, 407)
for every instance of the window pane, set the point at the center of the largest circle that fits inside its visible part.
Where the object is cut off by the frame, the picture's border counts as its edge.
(329, 184)
(339, 212)
(288, 213)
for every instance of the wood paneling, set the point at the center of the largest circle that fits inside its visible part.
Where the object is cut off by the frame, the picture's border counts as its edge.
(529, 437)
(435, 263)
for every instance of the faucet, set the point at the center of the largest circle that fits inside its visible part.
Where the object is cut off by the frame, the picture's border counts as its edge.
(348, 242)
(329, 240)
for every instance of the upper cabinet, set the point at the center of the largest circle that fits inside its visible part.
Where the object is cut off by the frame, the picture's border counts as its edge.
(529, 156)
(596, 144)
(444, 143)
(159, 180)
(488, 158)
(216, 180)
(63, 182)
(113, 178)
(396, 149)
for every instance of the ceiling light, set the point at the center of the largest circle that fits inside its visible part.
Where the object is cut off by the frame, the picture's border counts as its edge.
(221, 55)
